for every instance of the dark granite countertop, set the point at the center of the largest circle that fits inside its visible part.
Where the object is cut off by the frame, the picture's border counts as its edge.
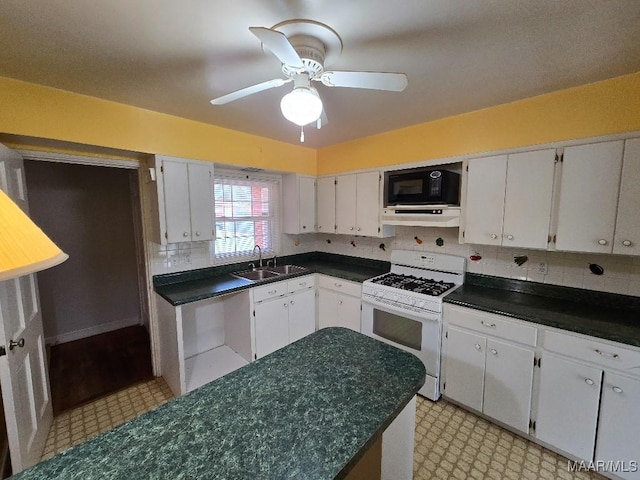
(191, 286)
(308, 411)
(608, 316)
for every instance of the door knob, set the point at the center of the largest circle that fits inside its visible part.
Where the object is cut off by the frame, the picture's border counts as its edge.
(13, 344)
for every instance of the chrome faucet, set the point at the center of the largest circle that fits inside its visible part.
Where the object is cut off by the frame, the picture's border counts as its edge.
(259, 254)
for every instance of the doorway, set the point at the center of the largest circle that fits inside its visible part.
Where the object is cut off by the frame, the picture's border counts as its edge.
(94, 305)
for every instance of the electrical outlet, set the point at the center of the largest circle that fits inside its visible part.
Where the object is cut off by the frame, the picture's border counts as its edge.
(542, 268)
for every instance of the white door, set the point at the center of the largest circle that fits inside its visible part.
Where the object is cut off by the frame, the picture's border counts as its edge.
(527, 201)
(465, 367)
(627, 237)
(368, 204)
(272, 325)
(589, 197)
(302, 314)
(201, 201)
(619, 421)
(485, 200)
(23, 371)
(346, 204)
(568, 405)
(326, 205)
(176, 201)
(508, 380)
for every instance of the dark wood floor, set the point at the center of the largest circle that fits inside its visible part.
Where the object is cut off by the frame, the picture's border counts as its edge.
(92, 367)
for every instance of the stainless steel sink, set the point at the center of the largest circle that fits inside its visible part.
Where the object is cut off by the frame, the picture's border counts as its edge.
(256, 275)
(287, 269)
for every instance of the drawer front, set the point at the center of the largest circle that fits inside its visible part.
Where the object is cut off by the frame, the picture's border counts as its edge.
(271, 290)
(490, 324)
(338, 285)
(301, 283)
(592, 350)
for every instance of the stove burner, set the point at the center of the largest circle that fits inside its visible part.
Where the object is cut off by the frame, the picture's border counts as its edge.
(411, 283)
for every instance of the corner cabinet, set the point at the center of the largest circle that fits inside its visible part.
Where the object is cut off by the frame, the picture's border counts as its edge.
(180, 195)
(299, 204)
(339, 303)
(488, 364)
(627, 234)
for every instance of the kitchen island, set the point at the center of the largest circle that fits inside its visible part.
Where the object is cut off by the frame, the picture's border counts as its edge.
(310, 410)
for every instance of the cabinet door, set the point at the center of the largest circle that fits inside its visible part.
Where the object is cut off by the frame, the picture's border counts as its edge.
(326, 205)
(327, 308)
(568, 405)
(271, 325)
(368, 204)
(619, 421)
(176, 201)
(484, 207)
(307, 202)
(349, 312)
(508, 380)
(627, 236)
(201, 201)
(465, 367)
(302, 314)
(528, 197)
(589, 197)
(346, 204)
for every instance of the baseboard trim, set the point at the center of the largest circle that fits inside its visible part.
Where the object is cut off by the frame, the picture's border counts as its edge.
(91, 331)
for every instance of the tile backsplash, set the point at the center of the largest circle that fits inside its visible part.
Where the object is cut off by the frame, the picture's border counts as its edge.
(621, 273)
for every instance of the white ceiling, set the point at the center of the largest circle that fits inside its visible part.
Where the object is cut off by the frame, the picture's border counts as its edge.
(459, 55)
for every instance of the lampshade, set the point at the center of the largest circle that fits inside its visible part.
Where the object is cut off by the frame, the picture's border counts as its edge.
(24, 248)
(302, 105)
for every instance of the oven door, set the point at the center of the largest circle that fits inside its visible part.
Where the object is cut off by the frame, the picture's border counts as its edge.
(417, 333)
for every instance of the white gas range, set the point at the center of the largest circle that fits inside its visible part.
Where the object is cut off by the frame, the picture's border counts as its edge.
(404, 307)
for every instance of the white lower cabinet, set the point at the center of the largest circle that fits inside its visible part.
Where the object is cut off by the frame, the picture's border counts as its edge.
(283, 312)
(339, 303)
(488, 375)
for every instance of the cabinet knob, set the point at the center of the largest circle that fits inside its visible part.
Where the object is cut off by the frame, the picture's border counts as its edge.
(351, 228)
(606, 354)
(509, 237)
(291, 302)
(339, 302)
(627, 243)
(616, 389)
(304, 227)
(358, 229)
(588, 381)
(197, 234)
(478, 347)
(319, 227)
(494, 236)
(602, 241)
(185, 234)
(494, 351)
(286, 305)
(490, 325)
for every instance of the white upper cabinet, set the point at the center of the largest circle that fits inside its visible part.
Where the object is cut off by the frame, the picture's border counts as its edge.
(589, 189)
(485, 200)
(346, 204)
(627, 235)
(509, 199)
(326, 201)
(299, 204)
(182, 200)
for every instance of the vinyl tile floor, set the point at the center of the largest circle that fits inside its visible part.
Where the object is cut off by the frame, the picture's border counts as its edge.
(450, 443)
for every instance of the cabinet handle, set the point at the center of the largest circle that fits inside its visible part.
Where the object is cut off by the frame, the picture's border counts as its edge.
(494, 236)
(602, 241)
(494, 351)
(478, 347)
(302, 284)
(588, 381)
(339, 285)
(272, 292)
(197, 234)
(627, 243)
(616, 389)
(510, 237)
(185, 234)
(605, 354)
(13, 344)
(490, 325)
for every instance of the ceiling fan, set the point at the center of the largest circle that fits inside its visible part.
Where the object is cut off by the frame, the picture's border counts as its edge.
(303, 46)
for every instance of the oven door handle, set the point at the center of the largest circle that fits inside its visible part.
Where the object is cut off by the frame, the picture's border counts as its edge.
(418, 316)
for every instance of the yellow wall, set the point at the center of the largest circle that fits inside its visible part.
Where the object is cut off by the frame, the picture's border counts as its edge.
(602, 108)
(33, 110)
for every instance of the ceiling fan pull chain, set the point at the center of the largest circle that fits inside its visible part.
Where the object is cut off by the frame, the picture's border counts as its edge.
(301, 134)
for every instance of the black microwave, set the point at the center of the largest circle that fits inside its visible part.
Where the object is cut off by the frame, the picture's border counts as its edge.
(421, 186)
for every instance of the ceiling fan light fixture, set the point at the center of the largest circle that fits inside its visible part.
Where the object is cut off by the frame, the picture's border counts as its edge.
(302, 105)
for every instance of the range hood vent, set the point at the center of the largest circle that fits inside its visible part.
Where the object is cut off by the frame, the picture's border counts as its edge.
(421, 215)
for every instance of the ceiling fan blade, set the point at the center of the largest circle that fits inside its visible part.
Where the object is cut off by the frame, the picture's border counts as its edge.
(279, 45)
(243, 92)
(395, 82)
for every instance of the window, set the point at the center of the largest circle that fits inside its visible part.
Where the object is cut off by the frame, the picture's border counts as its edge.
(246, 215)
